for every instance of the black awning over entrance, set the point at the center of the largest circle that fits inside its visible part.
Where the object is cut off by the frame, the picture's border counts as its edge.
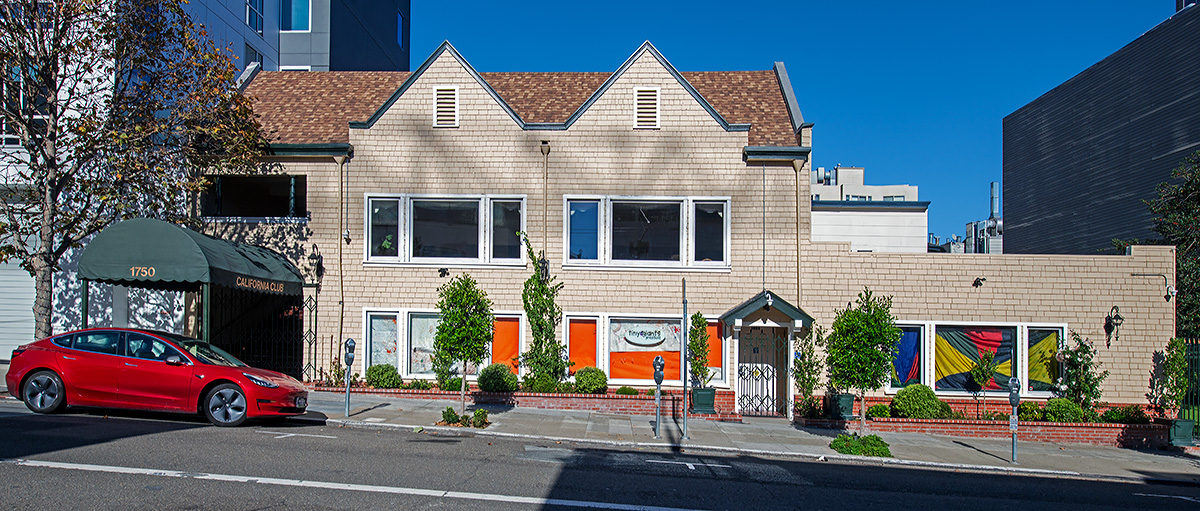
(148, 253)
(249, 299)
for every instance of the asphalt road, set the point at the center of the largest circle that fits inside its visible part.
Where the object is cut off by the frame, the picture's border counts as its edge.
(94, 460)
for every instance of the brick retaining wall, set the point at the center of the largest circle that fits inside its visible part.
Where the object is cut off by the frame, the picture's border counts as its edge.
(1114, 435)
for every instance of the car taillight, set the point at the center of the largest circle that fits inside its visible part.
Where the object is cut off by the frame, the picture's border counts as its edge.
(16, 352)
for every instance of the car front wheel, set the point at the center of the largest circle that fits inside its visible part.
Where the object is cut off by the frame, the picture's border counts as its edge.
(225, 405)
(43, 392)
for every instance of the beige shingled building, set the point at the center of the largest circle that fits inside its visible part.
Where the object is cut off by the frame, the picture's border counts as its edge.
(631, 182)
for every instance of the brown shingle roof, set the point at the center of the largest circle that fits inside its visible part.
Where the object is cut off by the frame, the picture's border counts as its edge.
(315, 107)
(298, 107)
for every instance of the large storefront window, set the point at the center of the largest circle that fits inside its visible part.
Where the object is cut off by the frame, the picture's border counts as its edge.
(633, 344)
(958, 348)
(422, 328)
(1044, 368)
(906, 368)
(384, 339)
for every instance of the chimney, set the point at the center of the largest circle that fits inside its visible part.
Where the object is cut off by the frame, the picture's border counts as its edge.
(995, 200)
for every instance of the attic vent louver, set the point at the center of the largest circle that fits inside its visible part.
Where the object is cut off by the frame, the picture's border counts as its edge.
(445, 107)
(647, 108)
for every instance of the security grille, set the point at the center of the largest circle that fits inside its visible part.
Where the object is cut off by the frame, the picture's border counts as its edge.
(760, 373)
(263, 330)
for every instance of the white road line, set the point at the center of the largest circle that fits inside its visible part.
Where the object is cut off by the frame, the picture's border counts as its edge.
(285, 435)
(444, 494)
(1192, 499)
(689, 465)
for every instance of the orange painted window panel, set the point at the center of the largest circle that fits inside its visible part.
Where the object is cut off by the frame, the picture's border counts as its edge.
(715, 358)
(506, 341)
(639, 365)
(582, 343)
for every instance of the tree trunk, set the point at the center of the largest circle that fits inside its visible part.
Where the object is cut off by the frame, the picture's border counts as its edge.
(43, 299)
(862, 412)
(462, 390)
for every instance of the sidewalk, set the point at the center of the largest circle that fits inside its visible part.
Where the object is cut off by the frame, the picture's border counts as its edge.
(775, 437)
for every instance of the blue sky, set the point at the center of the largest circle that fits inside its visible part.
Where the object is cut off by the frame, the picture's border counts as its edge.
(913, 91)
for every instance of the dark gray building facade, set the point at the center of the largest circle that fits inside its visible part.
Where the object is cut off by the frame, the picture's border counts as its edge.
(344, 35)
(1080, 160)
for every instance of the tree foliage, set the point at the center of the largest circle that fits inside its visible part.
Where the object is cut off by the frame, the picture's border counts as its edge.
(862, 344)
(1176, 213)
(119, 108)
(1081, 374)
(1170, 382)
(698, 350)
(546, 359)
(807, 370)
(464, 329)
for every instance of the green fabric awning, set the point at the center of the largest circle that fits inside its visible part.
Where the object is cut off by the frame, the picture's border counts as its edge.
(148, 253)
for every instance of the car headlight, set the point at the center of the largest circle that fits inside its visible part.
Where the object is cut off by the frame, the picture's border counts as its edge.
(259, 381)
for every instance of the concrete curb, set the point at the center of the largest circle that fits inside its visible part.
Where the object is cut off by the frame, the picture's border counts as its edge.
(859, 460)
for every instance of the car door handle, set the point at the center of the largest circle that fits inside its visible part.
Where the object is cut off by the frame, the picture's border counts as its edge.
(130, 365)
(68, 358)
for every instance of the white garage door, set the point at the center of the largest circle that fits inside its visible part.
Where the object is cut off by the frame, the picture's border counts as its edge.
(16, 308)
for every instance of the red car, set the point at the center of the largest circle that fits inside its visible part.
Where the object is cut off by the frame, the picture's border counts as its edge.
(148, 370)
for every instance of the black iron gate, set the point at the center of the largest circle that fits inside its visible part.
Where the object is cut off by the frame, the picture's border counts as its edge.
(311, 372)
(1190, 408)
(263, 330)
(761, 373)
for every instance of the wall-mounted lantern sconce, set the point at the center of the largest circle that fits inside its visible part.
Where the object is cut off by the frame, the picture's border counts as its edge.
(1112, 325)
(1170, 290)
(314, 256)
(978, 282)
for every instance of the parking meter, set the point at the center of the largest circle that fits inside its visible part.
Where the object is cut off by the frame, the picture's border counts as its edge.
(1014, 399)
(659, 364)
(349, 361)
(1014, 392)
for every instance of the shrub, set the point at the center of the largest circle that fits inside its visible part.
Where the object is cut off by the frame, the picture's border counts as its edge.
(1129, 414)
(627, 391)
(591, 380)
(879, 410)
(919, 402)
(541, 383)
(1030, 411)
(449, 416)
(384, 376)
(1062, 409)
(809, 407)
(454, 383)
(698, 348)
(497, 378)
(1081, 373)
(989, 415)
(418, 385)
(870, 445)
(480, 418)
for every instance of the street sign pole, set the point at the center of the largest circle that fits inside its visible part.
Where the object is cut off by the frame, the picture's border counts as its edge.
(683, 374)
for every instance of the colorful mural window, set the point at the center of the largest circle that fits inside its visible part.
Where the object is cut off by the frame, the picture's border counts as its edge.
(383, 338)
(958, 348)
(1044, 369)
(633, 344)
(906, 368)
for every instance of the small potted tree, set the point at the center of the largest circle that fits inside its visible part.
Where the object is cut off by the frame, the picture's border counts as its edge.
(1171, 388)
(862, 345)
(704, 398)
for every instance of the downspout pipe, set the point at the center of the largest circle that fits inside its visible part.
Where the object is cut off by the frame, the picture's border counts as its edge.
(341, 163)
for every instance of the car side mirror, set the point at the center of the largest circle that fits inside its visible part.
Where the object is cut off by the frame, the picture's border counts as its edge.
(174, 360)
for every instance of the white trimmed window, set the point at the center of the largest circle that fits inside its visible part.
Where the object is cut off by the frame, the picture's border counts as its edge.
(445, 229)
(646, 108)
(445, 107)
(647, 231)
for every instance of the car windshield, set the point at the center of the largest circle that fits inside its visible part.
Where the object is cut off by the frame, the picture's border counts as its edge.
(210, 354)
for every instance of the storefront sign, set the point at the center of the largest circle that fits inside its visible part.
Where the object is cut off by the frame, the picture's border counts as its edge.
(644, 335)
